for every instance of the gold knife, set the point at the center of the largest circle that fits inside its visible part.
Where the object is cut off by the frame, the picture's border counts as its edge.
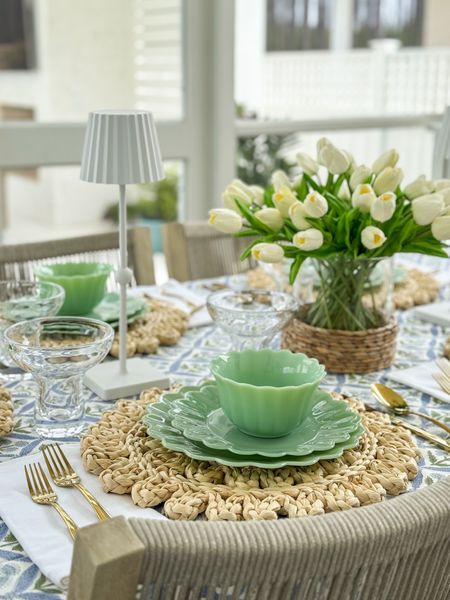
(431, 437)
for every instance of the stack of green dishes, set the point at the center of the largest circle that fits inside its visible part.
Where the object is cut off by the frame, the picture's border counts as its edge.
(191, 421)
(108, 309)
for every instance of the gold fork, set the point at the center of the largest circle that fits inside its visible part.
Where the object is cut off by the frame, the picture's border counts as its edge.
(444, 366)
(42, 492)
(443, 381)
(63, 475)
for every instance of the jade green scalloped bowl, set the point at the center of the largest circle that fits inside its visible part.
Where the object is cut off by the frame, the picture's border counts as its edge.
(84, 283)
(267, 393)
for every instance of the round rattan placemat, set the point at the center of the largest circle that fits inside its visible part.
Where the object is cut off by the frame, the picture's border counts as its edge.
(6, 412)
(419, 287)
(128, 461)
(163, 325)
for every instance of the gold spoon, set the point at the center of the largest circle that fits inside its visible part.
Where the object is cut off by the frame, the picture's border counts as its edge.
(398, 405)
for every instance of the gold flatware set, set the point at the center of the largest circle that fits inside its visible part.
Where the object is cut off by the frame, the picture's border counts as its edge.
(396, 404)
(63, 475)
(443, 377)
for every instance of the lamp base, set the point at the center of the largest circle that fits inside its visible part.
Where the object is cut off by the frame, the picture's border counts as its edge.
(106, 381)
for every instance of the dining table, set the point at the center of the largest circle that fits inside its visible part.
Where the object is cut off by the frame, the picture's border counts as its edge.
(187, 363)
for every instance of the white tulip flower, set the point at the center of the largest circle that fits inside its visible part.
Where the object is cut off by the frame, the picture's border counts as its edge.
(315, 205)
(297, 182)
(334, 159)
(440, 228)
(283, 199)
(351, 161)
(297, 214)
(344, 191)
(234, 192)
(310, 239)
(268, 253)
(387, 159)
(225, 220)
(440, 184)
(280, 179)
(372, 237)
(445, 193)
(363, 197)
(383, 207)
(321, 143)
(258, 194)
(270, 217)
(307, 163)
(426, 208)
(387, 180)
(241, 185)
(360, 175)
(418, 187)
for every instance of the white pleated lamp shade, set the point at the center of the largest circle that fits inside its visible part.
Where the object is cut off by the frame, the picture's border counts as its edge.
(121, 146)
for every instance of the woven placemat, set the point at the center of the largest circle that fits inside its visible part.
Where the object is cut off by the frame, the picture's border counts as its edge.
(6, 412)
(163, 325)
(419, 287)
(446, 351)
(128, 461)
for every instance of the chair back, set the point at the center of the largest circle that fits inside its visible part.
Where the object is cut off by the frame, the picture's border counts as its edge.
(399, 549)
(197, 251)
(19, 261)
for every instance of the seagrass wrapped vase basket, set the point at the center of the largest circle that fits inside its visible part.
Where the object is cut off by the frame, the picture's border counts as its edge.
(346, 320)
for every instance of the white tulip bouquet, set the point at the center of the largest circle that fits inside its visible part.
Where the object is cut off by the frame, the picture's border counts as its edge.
(347, 217)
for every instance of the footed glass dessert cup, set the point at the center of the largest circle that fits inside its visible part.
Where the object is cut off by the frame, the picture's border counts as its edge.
(267, 393)
(251, 317)
(57, 352)
(24, 300)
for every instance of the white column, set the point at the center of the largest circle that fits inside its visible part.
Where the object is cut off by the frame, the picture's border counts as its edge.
(341, 25)
(222, 131)
(209, 121)
(250, 44)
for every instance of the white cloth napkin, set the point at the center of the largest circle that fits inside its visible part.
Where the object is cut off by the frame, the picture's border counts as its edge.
(39, 529)
(420, 378)
(437, 312)
(198, 319)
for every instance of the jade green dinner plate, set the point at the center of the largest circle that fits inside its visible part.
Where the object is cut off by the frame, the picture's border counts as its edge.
(199, 416)
(108, 309)
(159, 422)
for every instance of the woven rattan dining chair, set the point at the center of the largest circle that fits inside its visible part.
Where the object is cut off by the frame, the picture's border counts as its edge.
(20, 261)
(395, 550)
(197, 251)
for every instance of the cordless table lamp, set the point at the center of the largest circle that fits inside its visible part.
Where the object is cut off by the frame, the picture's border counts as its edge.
(120, 147)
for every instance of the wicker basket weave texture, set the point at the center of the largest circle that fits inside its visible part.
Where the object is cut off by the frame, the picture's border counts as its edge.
(344, 351)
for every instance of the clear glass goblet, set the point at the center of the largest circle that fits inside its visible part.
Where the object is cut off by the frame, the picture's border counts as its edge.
(24, 300)
(251, 317)
(58, 351)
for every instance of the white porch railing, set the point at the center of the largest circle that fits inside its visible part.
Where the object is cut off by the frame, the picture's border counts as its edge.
(299, 85)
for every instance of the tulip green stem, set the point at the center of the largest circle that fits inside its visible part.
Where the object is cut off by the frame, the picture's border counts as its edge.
(344, 297)
(330, 180)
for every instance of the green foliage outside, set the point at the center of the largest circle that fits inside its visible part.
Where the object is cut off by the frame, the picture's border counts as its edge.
(155, 201)
(258, 157)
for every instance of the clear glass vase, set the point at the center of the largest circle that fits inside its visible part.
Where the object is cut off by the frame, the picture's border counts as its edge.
(345, 293)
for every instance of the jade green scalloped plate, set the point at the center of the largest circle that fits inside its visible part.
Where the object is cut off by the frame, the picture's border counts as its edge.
(108, 309)
(160, 425)
(199, 416)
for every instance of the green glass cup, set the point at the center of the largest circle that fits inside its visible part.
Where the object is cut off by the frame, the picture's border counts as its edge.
(84, 284)
(267, 393)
